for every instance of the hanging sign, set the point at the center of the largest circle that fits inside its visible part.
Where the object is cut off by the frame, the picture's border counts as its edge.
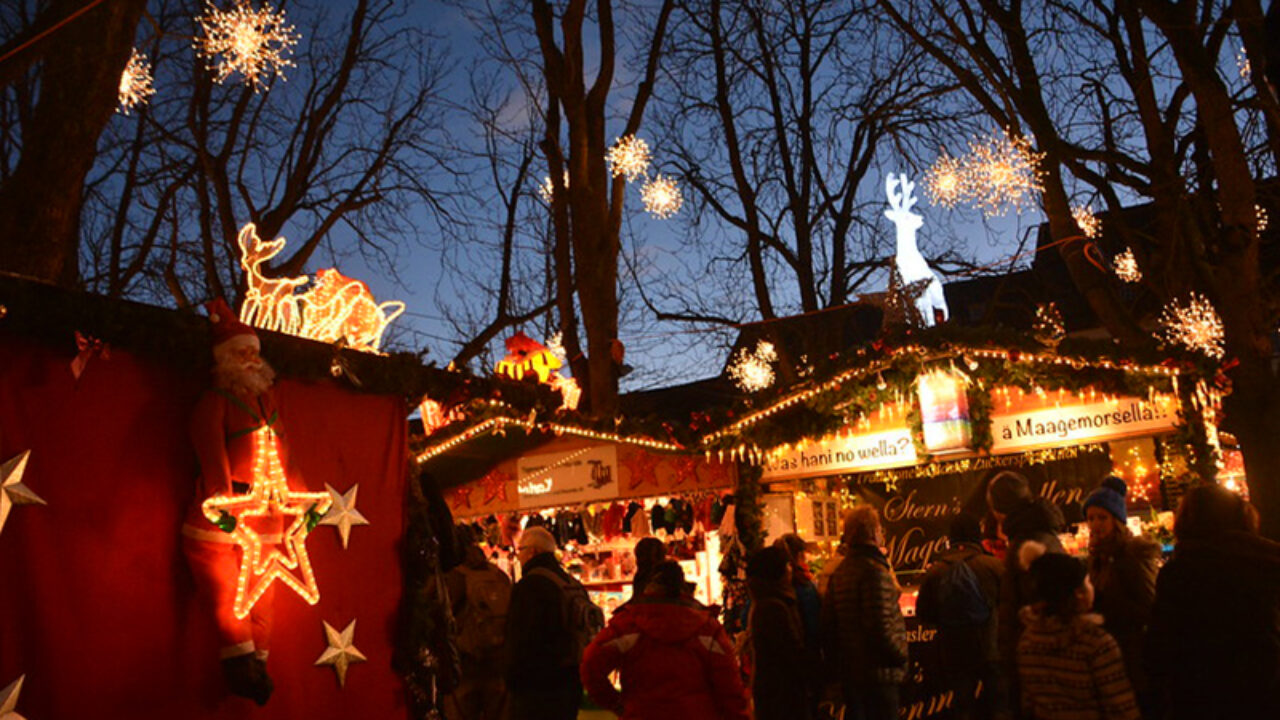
(565, 478)
(852, 453)
(1085, 422)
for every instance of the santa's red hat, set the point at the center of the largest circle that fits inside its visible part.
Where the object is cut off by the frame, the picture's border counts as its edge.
(226, 327)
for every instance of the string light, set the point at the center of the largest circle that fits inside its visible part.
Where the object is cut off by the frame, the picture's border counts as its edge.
(242, 40)
(661, 196)
(629, 156)
(1195, 326)
(1088, 223)
(1263, 218)
(547, 189)
(500, 423)
(1125, 266)
(268, 494)
(752, 370)
(1002, 171)
(1048, 326)
(944, 181)
(136, 86)
(1242, 64)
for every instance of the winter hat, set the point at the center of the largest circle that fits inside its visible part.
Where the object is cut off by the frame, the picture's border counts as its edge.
(794, 545)
(1057, 577)
(1007, 491)
(227, 327)
(768, 563)
(1110, 497)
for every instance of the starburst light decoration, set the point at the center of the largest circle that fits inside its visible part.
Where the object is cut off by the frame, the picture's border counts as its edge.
(243, 40)
(135, 83)
(661, 197)
(629, 156)
(945, 181)
(1125, 266)
(752, 370)
(1195, 326)
(1002, 171)
(1088, 223)
(269, 493)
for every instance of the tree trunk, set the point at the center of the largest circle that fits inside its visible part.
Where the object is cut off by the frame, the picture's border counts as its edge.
(79, 81)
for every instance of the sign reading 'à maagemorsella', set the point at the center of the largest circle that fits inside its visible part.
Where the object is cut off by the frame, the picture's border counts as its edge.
(566, 478)
(851, 453)
(1074, 424)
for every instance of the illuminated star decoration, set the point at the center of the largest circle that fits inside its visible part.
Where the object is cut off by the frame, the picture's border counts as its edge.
(629, 156)
(661, 196)
(1088, 223)
(1048, 327)
(269, 493)
(242, 40)
(135, 83)
(944, 182)
(342, 652)
(752, 370)
(495, 486)
(1002, 171)
(898, 302)
(342, 512)
(1195, 326)
(12, 491)
(1125, 266)
(640, 465)
(685, 469)
(462, 496)
(9, 699)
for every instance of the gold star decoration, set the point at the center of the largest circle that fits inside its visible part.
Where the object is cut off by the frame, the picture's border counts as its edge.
(898, 302)
(342, 652)
(12, 491)
(9, 700)
(342, 512)
(269, 493)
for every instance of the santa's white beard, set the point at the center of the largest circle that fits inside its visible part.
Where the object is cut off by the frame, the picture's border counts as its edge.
(250, 379)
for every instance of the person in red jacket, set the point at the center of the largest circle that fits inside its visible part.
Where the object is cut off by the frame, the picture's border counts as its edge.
(674, 658)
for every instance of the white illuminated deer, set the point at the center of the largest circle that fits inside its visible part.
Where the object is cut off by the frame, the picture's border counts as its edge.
(269, 303)
(911, 265)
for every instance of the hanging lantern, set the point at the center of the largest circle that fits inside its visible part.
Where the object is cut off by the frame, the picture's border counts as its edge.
(944, 411)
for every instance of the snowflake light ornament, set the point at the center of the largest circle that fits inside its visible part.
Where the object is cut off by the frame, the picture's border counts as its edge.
(135, 83)
(629, 156)
(1195, 326)
(1002, 171)
(752, 370)
(1088, 223)
(1126, 266)
(243, 40)
(945, 181)
(661, 197)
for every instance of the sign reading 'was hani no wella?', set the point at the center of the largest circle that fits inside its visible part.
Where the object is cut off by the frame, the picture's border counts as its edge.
(1089, 422)
(851, 453)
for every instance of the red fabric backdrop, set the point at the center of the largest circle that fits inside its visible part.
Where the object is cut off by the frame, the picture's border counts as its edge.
(97, 606)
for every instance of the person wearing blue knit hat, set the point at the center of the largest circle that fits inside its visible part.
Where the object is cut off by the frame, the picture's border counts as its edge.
(1122, 568)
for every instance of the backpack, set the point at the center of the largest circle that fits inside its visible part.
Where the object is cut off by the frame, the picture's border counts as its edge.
(482, 622)
(583, 618)
(960, 599)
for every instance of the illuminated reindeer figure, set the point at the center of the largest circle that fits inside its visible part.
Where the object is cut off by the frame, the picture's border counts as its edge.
(269, 303)
(911, 265)
(341, 308)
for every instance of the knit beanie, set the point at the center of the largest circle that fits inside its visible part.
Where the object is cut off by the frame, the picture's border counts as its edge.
(1056, 577)
(1007, 491)
(1110, 497)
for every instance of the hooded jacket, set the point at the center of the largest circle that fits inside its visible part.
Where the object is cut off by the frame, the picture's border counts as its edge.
(1070, 669)
(1037, 520)
(1214, 638)
(972, 644)
(864, 627)
(675, 661)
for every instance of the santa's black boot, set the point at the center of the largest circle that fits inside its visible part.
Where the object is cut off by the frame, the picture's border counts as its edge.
(247, 677)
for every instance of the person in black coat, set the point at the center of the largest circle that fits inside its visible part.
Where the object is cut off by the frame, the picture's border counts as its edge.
(542, 672)
(778, 681)
(1213, 646)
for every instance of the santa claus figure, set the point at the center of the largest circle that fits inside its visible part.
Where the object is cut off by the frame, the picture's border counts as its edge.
(224, 426)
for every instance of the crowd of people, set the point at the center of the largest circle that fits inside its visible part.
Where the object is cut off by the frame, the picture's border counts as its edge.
(1023, 629)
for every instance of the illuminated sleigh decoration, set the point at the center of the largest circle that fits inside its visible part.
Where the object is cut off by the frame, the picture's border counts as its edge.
(336, 309)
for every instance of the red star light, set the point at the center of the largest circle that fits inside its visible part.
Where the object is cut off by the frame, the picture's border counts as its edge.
(462, 497)
(495, 486)
(686, 469)
(640, 465)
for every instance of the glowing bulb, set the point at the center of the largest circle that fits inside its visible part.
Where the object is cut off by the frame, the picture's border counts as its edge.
(661, 197)
(135, 83)
(246, 41)
(629, 156)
